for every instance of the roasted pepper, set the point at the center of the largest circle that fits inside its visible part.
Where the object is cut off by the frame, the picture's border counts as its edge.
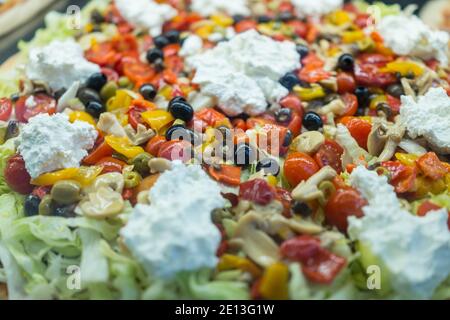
(352, 36)
(231, 262)
(81, 116)
(404, 68)
(124, 146)
(157, 119)
(49, 179)
(274, 283)
(308, 94)
(87, 175)
(407, 159)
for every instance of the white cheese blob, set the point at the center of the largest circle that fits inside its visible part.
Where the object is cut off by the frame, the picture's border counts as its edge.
(429, 117)
(146, 14)
(243, 73)
(410, 36)
(175, 232)
(59, 64)
(230, 7)
(49, 143)
(191, 45)
(414, 250)
(316, 8)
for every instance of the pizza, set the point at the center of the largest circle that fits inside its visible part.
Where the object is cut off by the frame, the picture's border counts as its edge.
(227, 150)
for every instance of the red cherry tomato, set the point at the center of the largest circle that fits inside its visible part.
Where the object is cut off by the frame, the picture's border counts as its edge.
(176, 150)
(329, 154)
(154, 144)
(370, 75)
(111, 164)
(402, 177)
(300, 28)
(343, 204)
(292, 102)
(376, 59)
(351, 104)
(6, 107)
(103, 54)
(359, 129)
(135, 116)
(17, 176)
(110, 74)
(431, 166)
(138, 72)
(318, 264)
(258, 191)
(42, 104)
(299, 167)
(429, 206)
(346, 82)
(245, 25)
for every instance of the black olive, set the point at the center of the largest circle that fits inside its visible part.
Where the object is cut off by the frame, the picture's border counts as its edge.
(65, 211)
(148, 91)
(31, 206)
(283, 115)
(177, 132)
(363, 95)
(263, 19)
(173, 36)
(312, 121)
(12, 130)
(289, 80)
(181, 110)
(95, 109)
(301, 208)
(244, 155)
(395, 90)
(238, 18)
(287, 139)
(302, 50)
(269, 166)
(87, 95)
(97, 17)
(160, 41)
(285, 16)
(96, 81)
(159, 65)
(177, 99)
(346, 62)
(154, 54)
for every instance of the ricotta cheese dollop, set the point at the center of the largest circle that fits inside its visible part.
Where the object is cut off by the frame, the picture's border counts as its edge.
(409, 35)
(146, 14)
(175, 232)
(429, 117)
(59, 64)
(243, 73)
(49, 143)
(230, 7)
(316, 8)
(415, 251)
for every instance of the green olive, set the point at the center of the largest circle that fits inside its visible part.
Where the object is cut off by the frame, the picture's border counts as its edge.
(124, 82)
(108, 90)
(132, 179)
(45, 207)
(66, 192)
(140, 163)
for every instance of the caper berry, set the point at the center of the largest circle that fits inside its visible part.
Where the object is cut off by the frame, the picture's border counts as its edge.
(109, 90)
(66, 192)
(140, 163)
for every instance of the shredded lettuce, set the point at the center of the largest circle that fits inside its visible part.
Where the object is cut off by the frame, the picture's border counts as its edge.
(6, 151)
(378, 6)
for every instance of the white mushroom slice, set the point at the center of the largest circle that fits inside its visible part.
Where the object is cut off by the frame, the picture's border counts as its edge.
(103, 203)
(159, 165)
(308, 142)
(113, 180)
(384, 139)
(109, 124)
(353, 153)
(139, 136)
(309, 190)
(337, 107)
(71, 93)
(412, 147)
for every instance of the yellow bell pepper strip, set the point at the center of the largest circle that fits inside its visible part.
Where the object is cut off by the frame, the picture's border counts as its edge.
(308, 94)
(407, 159)
(352, 36)
(157, 119)
(232, 262)
(274, 283)
(49, 179)
(81, 116)
(124, 146)
(377, 100)
(404, 68)
(122, 99)
(87, 175)
(222, 20)
(339, 17)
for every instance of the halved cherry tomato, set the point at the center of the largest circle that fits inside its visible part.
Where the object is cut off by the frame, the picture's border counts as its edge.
(371, 76)
(210, 116)
(227, 174)
(318, 264)
(402, 177)
(300, 28)
(245, 25)
(126, 44)
(429, 206)
(346, 82)
(292, 102)
(329, 154)
(43, 103)
(6, 107)
(285, 198)
(299, 167)
(359, 129)
(377, 59)
(138, 72)
(176, 150)
(135, 112)
(342, 204)
(102, 151)
(258, 191)
(17, 176)
(111, 164)
(351, 104)
(312, 70)
(103, 54)
(154, 144)
(110, 74)
(431, 166)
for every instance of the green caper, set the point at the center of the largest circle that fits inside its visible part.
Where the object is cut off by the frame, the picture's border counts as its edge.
(132, 179)
(108, 90)
(46, 206)
(140, 163)
(124, 82)
(66, 192)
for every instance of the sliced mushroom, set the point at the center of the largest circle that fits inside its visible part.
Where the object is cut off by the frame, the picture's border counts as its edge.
(103, 203)
(250, 234)
(353, 153)
(407, 88)
(308, 142)
(377, 139)
(159, 165)
(109, 124)
(337, 107)
(309, 190)
(139, 136)
(384, 139)
(113, 180)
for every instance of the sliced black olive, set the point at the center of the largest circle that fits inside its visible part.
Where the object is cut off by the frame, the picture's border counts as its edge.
(177, 132)
(173, 36)
(287, 139)
(395, 90)
(289, 80)
(264, 19)
(286, 16)
(154, 54)
(181, 110)
(312, 121)
(160, 41)
(302, 50)
(269, 166)
(238, 18)
(97, 17)
(301, 208)
(96, 81)
(87, 95)
(283, 115)
(363, 95)
(148, 91)
(31, 206)
(346, 62)
(95, 109)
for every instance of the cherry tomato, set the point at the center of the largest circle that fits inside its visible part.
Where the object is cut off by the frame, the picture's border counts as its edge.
(245, 25)
(318, 264)
(102, 151)
(103, 54)
(154, 144)
(43, 103)
(342, 204)
(126, 44)
(429, 206)
(431, 166)
(138, 72)
(346, 82)
(299, 167)
(258, 191)
(176, 150)
(300, 28)
(285, 198)
(135, 116)
(210, 116)
(351, 104)
(362, 20)
(370, 75)
(110, 74)
(359, 129)
(292, 102)
(313, 74)
(111, 164)
(376, 59)
(402, 177)
(6, 107)
(17, 176)
(329, 154)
